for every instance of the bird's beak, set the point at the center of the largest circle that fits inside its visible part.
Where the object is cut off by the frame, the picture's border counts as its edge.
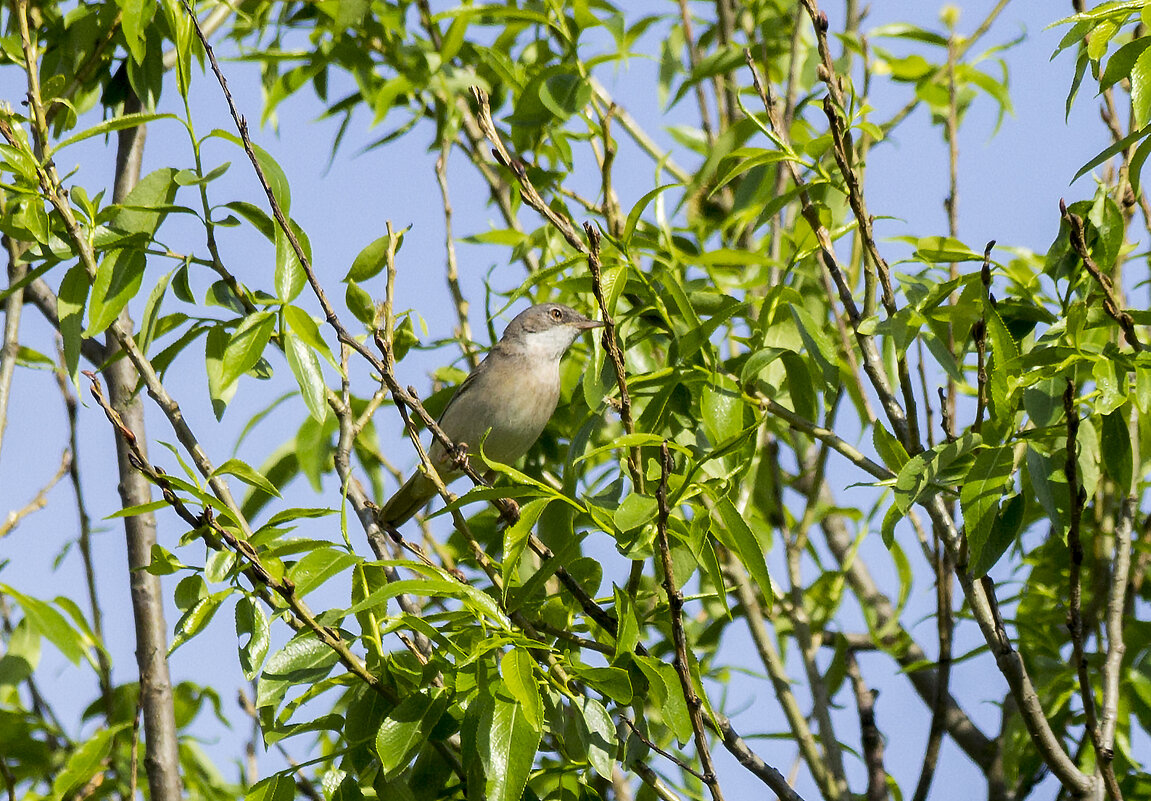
(587, 325)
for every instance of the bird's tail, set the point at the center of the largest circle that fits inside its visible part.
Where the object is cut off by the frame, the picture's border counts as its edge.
(408, 500)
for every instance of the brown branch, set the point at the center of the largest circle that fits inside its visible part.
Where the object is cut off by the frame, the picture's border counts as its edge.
(773, 663)
(528, 191)
(464, 328)
(679, 637)
(870, 737)
(39, 501)
(610, 341)
(944, 624)
(1110, 303)
(679, 763)
(872, 360)
(1112, 665)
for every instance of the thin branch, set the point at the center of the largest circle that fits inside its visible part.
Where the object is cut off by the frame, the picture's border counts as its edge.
(1110, 303)
(776, 670)
(530, 194)
(870, 738)
(610, 341)
(679, 637)
(39, 501)
(464, 327)
(872, 360)
(679, 763)
(10, 345)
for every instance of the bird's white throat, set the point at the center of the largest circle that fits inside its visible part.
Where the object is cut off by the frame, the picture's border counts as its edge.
(551, 343)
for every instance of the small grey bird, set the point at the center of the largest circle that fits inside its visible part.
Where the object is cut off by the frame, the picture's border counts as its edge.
(512, 393)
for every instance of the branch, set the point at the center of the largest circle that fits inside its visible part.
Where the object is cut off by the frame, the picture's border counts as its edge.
(610, 342)
(679, 637)
(1110, 304)
(39, 501)
(871, 739)
(527, 190)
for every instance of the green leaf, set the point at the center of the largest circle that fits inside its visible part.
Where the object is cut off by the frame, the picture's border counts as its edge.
(601, 739)
(317, 566)
(613, 682)
(516, 537)
(743, 542)
(108, 126)
(147, 204)
(195, 619)
(634, 511)
(369, 261)
(247, 474)
(118, 279)
(918, 477)
(246, 346)
(70, 309)
(290, 276)
(273, 788)
(1008, 522)
(163, 562)
(252, 623)
(152, 313)
(936, 249)
(406, 728)
(46, 620)
(637, 210)
(507, 745)
(304, 660)
(722, 405)
(518, 671)
(360, 304)
(1115, 443)
(1112, 150)
(890, 449)
(305, 366)
(84, 762)
(986, 483)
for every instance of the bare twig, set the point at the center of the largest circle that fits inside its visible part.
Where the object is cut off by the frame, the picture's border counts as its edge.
(1110, 303)
(679, 637)
(870, 737)
(610, 342)
(776, 669)
(464, 328)
(39, 501)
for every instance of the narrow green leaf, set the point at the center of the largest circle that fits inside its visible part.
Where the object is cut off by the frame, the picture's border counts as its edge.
(247, 474)
(518, 671)
(246, 346)
(1115, 442)
(507, 745)
(319, 565)
(986, 483)
(746, 546)
(108, 126)
(84, 761)
(919, 475)
(118, 279)
(1008, 523)
(46, 620)
(305, 366)
(601, 739)
(252, 623)
(406, 728)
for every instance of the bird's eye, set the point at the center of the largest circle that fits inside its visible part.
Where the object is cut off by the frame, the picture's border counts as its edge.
(557, 314)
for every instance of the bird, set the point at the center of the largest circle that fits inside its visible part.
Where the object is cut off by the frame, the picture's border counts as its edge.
(509, 398)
